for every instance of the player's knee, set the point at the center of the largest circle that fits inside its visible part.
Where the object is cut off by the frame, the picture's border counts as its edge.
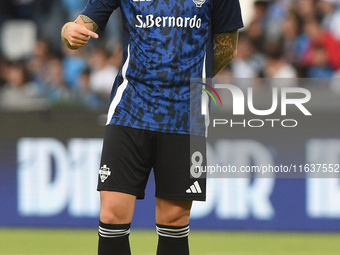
(114, 217)
(172, 214)
(176, 219)
(116, 208)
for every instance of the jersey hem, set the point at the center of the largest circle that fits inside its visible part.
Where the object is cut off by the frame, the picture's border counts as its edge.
(123, 190)
(161, 131)
(201, 197)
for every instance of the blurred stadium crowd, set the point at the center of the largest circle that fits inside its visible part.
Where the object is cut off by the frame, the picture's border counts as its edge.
(282, 39)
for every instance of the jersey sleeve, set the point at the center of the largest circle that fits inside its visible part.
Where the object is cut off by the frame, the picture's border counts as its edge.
(226, 16)
(100, 10)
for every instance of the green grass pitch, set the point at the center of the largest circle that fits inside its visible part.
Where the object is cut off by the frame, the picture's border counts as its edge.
(84, 242)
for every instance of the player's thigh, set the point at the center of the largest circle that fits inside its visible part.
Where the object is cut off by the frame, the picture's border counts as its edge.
(173, 212)
(116, 207)
(125, 160)
(177, 157)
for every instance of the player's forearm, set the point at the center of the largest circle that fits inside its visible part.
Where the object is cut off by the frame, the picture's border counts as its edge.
(225, 50)
(87, 22)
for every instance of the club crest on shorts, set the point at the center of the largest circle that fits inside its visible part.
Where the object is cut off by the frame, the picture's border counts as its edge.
(104, 173)
(199, 3)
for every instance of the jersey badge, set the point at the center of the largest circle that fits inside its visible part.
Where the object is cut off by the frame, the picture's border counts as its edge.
(199, 3)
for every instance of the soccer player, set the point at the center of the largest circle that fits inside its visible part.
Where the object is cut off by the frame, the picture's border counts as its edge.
(166, 42)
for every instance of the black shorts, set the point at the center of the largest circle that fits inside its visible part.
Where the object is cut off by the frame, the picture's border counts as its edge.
(129, 154)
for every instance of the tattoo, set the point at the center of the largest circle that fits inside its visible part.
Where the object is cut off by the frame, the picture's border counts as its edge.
(226, 45)
(87, 20)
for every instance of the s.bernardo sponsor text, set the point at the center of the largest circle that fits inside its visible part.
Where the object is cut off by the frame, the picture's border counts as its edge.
(167, 21)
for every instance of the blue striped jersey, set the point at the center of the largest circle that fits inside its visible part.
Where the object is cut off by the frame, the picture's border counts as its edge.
(166, 43)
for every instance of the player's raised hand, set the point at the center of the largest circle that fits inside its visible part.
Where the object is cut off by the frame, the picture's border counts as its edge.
(76, 35)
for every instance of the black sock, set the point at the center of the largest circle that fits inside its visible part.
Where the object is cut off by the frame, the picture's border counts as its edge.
(114, 239)
(172, 240)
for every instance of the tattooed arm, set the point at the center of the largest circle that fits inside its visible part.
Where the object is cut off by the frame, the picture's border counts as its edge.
(76, 34)
(225, 50)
